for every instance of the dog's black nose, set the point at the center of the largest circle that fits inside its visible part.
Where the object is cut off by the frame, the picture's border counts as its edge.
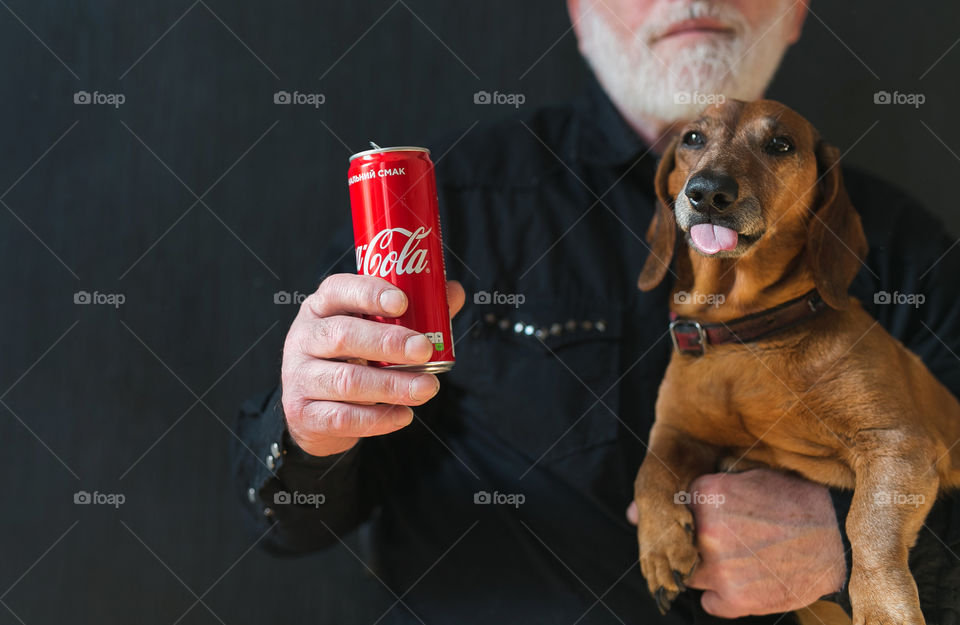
(709, 189)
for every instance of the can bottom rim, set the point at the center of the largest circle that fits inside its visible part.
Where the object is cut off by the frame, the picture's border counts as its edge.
(441, 366)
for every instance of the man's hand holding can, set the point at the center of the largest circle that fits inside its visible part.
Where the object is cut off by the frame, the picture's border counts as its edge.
(330, 403)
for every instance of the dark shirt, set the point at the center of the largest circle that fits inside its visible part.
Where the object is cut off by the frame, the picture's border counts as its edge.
(552, 399)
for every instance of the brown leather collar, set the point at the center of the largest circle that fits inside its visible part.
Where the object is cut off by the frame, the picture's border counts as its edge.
(692, 337)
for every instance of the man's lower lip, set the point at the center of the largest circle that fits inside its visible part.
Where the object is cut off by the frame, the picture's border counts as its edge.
(694, 32)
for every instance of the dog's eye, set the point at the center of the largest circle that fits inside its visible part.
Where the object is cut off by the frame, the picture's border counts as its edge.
(694, 139)
(779, 145)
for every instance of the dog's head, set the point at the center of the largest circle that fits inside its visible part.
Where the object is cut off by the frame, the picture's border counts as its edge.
(756, 175)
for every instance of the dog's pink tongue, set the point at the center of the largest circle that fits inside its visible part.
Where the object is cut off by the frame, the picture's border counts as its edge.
(710, 238)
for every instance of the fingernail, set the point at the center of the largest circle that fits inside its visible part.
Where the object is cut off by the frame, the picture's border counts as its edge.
(393, 301)
(424, 386)
(417, 348)
(402, 417)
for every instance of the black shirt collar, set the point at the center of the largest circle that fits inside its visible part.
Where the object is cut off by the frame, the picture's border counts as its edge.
(605, 136)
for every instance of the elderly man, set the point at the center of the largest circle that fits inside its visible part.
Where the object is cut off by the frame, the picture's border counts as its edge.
(500, 496)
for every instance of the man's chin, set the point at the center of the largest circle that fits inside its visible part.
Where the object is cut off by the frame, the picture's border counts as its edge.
(671, 102)
(670, 112)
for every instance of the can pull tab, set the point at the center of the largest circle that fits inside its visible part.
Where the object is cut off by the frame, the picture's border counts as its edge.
(375, 146)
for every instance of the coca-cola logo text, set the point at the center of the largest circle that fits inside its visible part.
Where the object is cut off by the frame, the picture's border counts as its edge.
(381, 258)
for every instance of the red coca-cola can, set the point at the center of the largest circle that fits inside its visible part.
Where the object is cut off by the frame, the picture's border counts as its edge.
(396, 228)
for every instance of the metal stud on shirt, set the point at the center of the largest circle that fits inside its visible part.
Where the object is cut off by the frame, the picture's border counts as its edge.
(553, 329)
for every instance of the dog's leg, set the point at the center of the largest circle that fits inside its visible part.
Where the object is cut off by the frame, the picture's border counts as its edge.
(668, 554)
(896, 485)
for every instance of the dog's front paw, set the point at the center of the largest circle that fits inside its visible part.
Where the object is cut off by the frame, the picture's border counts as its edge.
(881, 615)
(668, 555)
(886, 598)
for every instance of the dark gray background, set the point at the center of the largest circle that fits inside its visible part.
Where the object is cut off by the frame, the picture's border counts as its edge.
(104, 399)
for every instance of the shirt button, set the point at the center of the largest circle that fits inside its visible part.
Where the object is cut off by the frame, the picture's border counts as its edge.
(271, 463)
(275, 450)
(268, 512)
(601, 326)
(252, 495)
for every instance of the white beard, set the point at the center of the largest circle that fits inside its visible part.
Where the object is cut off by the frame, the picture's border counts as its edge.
(645, 85)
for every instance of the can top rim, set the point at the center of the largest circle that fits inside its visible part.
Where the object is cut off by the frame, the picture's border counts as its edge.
(401, 148)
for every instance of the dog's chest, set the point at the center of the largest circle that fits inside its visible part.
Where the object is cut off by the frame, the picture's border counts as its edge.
(749, 411)
(715, 400)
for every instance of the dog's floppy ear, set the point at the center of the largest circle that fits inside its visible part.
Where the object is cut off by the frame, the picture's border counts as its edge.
(662, 233)
(836, 244)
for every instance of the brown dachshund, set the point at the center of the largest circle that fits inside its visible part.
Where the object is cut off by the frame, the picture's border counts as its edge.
(776, 364)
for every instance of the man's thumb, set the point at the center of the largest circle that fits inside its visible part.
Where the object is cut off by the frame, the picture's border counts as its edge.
(455, 297)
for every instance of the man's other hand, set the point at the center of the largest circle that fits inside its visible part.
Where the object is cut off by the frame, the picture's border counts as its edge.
(768, 542)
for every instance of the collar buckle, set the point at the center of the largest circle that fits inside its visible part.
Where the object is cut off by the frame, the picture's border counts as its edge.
(688, 337)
